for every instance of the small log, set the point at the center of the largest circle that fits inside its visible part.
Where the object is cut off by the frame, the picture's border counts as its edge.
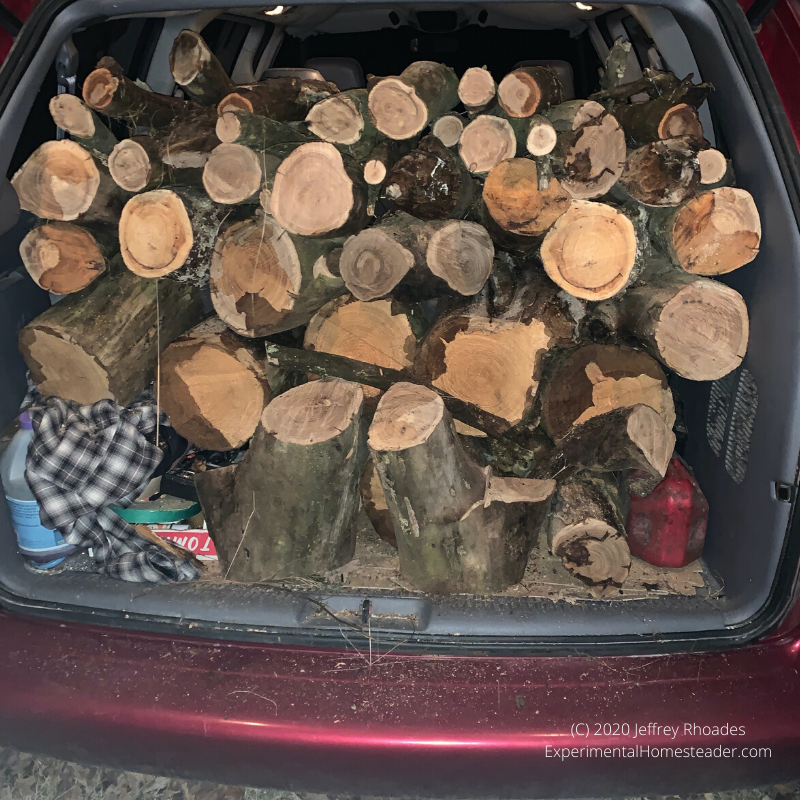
(213, 386)
(477, 89)
(197, 70)
(496, 363)
(625, 439)
(663, 173)
(234, 174)
(374, 503)
(587, 532)
(431, 182)
(573, 114)
(344, 120)
(591, 250)
(448, 129)
(285, 99)
(62, 181)
(401, 107)
(713, 233)
(135, 164)
(72, 115)
(383, 157)
(527, 90)
(107, 90)
(485, 142)
(170, 233)
(597, 378)
(464, 531)
(695, 326)
(541, 136)
(64, 258)
(104, 341)
(513, 199)
(319, 192)
(309, 437)
(265, 281)
(715, 169)
(256, 132)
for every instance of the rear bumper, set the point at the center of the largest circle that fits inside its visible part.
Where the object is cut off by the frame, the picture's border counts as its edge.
(397, 724)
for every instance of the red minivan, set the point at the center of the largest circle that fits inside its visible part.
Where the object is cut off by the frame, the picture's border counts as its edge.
(388, 691)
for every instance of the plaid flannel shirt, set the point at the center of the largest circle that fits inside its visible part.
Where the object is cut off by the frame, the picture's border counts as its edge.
(83, 459)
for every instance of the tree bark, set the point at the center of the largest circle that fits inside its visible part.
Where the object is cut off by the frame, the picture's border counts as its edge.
(374, 503)
(170, 233)
(108, 90)
(197, 70)
(431, 183)
(401, 107)
(344, 120)
(104, 341)
(477, 89)
(591, 250)
(713, 233)
(587, 533)
(663, 173)
(189, 139)
(571, 115)
(276, 523)
(527, 90)
(496, 363)
(72, 115)
(62, 181)
(464, 532)
(213, 386)
(667, 305)
(265, 281)
(284, 99)
(63, 258)
(598, 378)
(256, 132)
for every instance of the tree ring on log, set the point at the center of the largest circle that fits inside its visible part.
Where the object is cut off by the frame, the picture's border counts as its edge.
(541, 138)
(232, 173)
(155, 233)
(373, 263)
(397, 110)
(406, 416)
(188, 57)
(519, 94)
(485, 142)
(594, 551)
(129, 165)
(99, 88)
(717, 232)
(59, 181)
(713, 166)
(374, 172)
(680, 120)
(314, 412)
(596, 158)
(234, 102)
(336, 119)
(590, 251)
(70, 114)
(476, 87)
(461, 254)
(448, 130)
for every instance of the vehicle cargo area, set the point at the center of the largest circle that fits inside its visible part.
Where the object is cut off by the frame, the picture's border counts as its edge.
(471, 323)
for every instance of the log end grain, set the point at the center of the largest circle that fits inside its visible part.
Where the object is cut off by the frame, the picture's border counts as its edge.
(189, 55)
(396, 109)
(541, 138)
(99, 88)
(485, 142)
(713, 166)
(663, 173)
(590, 251)
(130, 165)
(680, 120)
(595, 160)
(374, 172)
(232, 174)
(461, 253)
(646, 429)
(477, 88)
(71, 115)
(448, 130)
(337, 119)
(373, 263)
(234, 102)
(519, 94)
(406, 416)
(59, 181)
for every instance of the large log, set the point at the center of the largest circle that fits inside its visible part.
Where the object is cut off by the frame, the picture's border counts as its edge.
(711, 234)
(477, 89)
(462, 531)
(285, 99)
(695, 326)
(485, 142)
(598, 378)
(213, 386)
(72, 115)
(344, 120)
(402, 106)
(663, 173)
(591, 250)
(105, 341)
(526, 90)
(263, 280)
(496, 362)
(62, 181)
(431, 182)
(107, 90)
(309, 450)
(427, 258)
(197, 70)
(170, 232)
(63, 258)
(587, 532)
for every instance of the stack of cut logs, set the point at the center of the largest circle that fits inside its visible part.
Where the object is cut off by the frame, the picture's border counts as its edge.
(481, 288)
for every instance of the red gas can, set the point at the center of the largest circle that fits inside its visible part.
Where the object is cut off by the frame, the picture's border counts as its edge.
(668, 527)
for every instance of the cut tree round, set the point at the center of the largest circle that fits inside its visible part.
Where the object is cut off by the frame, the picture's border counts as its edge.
(594, 156)
(232, 174)
(197, 70)
(461, 254)
(697, 327)
(680, 120)
(713, 166)
(477, 88)
(71, 114)
(598, 378)
(715, 232)
(316, 193)
(338, 120)
(528, 89)
(572, 114)
(513, 199)
(448, 129)
(64, 258)
(213, 386)
(485, 142)
(590, 251)
(542, 136)
(663, 173)
(135, 164)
